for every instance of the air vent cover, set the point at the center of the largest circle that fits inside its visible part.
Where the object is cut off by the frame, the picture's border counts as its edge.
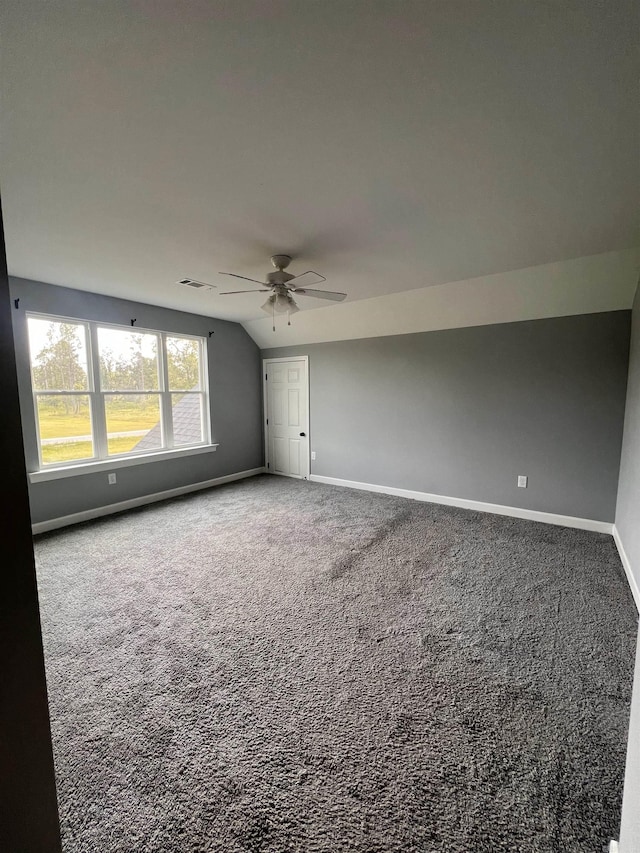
(196, 285)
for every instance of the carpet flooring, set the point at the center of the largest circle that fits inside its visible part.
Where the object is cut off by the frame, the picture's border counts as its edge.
(276, 665)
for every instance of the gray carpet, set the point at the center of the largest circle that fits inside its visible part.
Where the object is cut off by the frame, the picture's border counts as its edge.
(277, 666)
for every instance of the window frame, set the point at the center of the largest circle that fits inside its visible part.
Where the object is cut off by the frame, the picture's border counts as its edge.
(97, 410)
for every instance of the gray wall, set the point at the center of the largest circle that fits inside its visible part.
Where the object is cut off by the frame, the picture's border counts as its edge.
(28, 814)
(462, 412)
(628, 509)
(628, 525)
(235, 391)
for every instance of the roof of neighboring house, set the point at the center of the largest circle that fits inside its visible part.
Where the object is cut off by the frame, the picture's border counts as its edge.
(187, 424)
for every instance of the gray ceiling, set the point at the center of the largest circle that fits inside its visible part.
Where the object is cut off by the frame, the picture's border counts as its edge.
(389, 144)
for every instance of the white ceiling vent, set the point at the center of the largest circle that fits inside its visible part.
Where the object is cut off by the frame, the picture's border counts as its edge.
(196, 285)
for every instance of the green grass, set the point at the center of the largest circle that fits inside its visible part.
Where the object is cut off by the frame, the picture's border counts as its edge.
(121, 419)
(55, 424)
(53, 453)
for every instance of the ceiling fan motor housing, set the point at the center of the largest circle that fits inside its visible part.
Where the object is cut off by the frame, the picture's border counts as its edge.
(279, 277)
(280, 262)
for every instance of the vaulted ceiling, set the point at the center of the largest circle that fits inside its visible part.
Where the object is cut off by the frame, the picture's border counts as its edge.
(391, 145)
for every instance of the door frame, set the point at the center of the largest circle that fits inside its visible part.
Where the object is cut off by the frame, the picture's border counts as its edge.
(265, 368)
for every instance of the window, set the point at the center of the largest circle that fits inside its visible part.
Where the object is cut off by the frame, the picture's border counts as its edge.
(104, 392)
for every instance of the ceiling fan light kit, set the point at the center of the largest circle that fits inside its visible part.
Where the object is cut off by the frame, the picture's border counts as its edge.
(280, 303)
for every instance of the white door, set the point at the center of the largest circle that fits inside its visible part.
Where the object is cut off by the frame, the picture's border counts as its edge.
(286, 394)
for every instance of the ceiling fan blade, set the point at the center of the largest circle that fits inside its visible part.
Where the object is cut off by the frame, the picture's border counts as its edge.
(232, 292)
(235, 275)
(309, 280)
(321, 294)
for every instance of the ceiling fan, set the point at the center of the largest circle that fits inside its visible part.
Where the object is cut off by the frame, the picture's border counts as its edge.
(282, 286)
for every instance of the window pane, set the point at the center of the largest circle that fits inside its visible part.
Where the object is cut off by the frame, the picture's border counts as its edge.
(128, 360)
(183, 364)
(133, 422)
(58, 355)
(64, 422)
(187, 418)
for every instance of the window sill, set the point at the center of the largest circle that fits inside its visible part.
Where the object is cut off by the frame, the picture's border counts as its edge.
(110, 464)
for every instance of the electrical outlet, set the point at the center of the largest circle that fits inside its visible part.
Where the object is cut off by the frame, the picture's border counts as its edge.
(522, 481)
(313, 456)
(112, 479)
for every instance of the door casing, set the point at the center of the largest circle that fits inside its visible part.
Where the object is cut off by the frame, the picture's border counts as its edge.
(265, 369)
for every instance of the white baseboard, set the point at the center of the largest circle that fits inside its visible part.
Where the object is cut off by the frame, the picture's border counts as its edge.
(87, 515)
(613, 847)
(633, 583)
(481, 506)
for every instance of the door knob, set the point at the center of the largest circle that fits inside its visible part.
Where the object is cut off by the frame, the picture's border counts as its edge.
(303, 433)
